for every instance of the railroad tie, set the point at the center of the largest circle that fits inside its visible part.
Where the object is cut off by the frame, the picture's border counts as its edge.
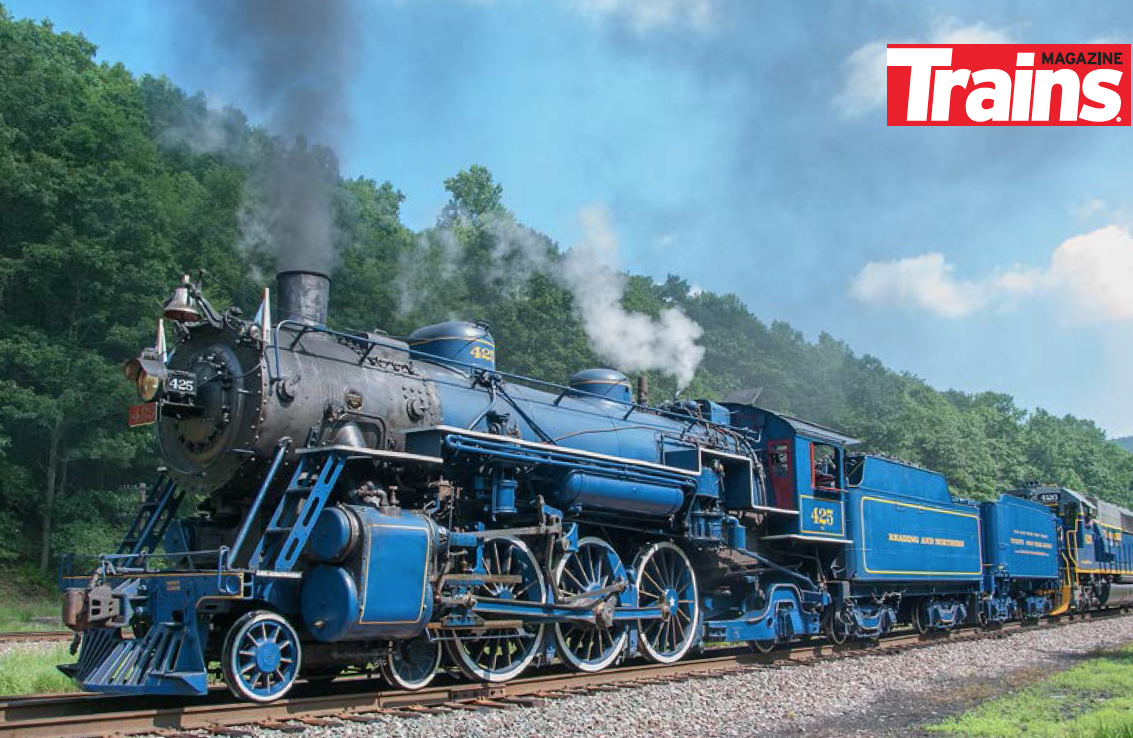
(461, 706)
(317, 722)
(494, 704)
(230, 732)
(555, 695)
(524, 701)
(363, 719)
(427, 709)
(400, 712)
(282, 727)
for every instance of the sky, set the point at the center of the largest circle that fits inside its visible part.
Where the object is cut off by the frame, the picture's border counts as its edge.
(743, 146)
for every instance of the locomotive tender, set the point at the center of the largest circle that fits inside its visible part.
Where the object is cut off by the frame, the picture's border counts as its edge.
(366, 500)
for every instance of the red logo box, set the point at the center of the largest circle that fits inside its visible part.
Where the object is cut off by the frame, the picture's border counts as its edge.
(1008, 84)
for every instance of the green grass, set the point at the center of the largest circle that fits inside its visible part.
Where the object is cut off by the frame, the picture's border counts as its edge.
(1091, 700)
(29, 600)
(31, 670)
(30, 613)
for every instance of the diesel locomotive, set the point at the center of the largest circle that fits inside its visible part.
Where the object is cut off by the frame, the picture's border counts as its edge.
(356, 501)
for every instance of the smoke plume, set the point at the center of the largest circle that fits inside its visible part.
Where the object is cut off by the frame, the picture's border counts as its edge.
(290, 62)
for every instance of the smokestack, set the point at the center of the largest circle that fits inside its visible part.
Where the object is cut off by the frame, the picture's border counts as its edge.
(642, 389)
(303, 297)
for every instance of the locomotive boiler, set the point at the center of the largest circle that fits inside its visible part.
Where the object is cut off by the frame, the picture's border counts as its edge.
(354, 501)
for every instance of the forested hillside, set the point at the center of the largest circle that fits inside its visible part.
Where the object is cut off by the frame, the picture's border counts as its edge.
(1125, 443)
(111, 186)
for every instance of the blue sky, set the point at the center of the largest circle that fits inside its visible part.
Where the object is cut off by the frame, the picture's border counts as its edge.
(743, 146)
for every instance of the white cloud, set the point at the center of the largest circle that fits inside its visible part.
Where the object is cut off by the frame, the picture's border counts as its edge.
(864, 71)
(864, 86)
(1090, 276)
(926, 282)
(949, 31)
(643, 16)
(1096, 271)
(1088, 208)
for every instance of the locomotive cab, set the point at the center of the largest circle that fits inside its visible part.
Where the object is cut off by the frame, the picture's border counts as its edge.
(806, 469)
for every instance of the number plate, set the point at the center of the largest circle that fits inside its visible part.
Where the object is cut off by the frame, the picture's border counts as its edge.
(181, 383)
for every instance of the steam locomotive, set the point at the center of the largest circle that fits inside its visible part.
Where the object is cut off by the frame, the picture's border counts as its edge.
(364, 501)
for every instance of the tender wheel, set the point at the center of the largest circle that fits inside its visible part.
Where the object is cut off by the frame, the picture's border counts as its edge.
(835, 627)
(499, 654)
(665, 579)
(261, 657)
(594, 566)
(920, 618)
(412, 664)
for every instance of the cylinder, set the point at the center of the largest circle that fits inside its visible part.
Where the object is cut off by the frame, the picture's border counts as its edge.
(303, 297)
(619, 495)
(381, 588)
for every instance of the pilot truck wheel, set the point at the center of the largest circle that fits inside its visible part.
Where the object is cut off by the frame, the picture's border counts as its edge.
(261, 657)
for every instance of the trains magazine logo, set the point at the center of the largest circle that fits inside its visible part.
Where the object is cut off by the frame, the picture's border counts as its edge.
(1008, 84)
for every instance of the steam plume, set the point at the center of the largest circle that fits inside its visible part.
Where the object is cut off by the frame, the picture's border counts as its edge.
(632, 341)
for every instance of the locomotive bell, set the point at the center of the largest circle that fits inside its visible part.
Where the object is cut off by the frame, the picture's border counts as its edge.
(181, 306)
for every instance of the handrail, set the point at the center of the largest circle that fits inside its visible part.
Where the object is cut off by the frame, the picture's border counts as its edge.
(257, 503)
(304, 328)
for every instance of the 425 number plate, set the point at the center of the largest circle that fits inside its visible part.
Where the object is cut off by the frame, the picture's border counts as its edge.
(181, 383)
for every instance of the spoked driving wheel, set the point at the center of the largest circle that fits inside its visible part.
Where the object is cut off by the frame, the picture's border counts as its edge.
(591, 574)
(498, 654)
(261, 657)
(412, 664)
(665, 579)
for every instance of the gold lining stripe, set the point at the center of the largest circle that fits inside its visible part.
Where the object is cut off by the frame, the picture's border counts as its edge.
(467, 339)
(979, 540)
(366, 576)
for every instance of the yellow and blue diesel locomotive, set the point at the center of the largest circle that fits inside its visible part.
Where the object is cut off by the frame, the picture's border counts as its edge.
(363, 500)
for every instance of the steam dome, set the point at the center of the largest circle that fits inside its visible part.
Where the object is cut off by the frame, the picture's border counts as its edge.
(608, 383)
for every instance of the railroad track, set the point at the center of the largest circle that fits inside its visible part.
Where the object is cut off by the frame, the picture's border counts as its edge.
(355, 700)
(35, 635)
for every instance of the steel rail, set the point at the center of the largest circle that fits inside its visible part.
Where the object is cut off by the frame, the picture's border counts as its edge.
(35, 635)
(89, 715)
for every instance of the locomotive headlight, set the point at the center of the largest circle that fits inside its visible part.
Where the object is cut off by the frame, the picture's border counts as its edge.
(148, 386)
(147, 372)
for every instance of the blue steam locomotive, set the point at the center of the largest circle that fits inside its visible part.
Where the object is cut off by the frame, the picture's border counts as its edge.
(367, 501)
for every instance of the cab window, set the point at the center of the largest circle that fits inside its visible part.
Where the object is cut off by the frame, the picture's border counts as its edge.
(826, 466)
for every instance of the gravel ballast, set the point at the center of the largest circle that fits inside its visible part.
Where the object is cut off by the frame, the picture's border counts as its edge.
(783, 699)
